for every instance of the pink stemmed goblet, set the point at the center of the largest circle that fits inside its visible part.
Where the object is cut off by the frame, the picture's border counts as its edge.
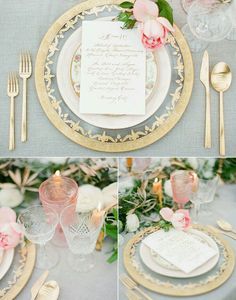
(184, 184)
(59, 192)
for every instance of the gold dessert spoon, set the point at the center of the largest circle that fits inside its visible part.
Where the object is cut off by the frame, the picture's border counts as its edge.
(226, 226)
(221, 78)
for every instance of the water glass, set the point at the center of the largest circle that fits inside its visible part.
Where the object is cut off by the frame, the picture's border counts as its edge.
(81, 234)
(207, 21)
(205, 194)
(39, 224)
(183, 184)
(58, 192)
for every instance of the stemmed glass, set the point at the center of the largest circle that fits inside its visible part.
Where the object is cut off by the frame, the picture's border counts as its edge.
(207, 21)
(58, 192)
(81, 235)
(232, 35)
(204, 195)
(186, 4)
(183, 184)
(39, 224)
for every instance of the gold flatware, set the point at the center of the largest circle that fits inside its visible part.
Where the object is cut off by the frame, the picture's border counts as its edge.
(226, 226)
(132, 285)
(221, 78)
(49, 291)
(38, 284)
(12, 92)
(218, 231)
(25, 71)
(131, 295)
(205, 79)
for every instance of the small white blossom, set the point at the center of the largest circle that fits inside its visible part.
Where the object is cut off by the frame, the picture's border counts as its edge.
(193, 162)
(10, 197)
(132, 222)
(168, 188)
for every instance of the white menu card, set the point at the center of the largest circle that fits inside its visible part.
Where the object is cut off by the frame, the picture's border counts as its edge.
(113, 69)
(180, 249)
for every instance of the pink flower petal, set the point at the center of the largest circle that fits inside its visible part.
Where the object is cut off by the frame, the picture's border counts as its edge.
(166, 213)
(165, 23)
(143, 9)
(7, 215)
(152, 28)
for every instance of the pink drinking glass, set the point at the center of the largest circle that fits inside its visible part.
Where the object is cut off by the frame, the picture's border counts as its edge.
(184, 184)
(59, 192)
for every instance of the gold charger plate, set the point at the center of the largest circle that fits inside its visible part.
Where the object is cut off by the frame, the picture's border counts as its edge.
(173, 287)
(103, 140)
(20, 274)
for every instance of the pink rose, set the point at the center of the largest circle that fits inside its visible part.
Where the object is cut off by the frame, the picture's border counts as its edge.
(180, 219)
(154, 29)
(10, 232)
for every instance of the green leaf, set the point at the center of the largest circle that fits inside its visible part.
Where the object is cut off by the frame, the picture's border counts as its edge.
(127, 5)
(113, 257)
(129, 24)
(123, 17)
(165, 10)
(111, 231)
(115, 213)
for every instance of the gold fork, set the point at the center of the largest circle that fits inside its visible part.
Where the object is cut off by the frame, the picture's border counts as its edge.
(25, 71)
(130, 284)
(12, 92)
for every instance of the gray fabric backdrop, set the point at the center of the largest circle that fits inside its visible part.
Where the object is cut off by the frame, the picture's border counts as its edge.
(23, 24)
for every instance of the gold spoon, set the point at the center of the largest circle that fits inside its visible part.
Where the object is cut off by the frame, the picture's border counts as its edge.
(225, 226)
(221, 78)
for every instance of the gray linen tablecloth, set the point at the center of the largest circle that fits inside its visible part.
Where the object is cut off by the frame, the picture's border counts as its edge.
(98, 284)
(223, 207)
(23, 24)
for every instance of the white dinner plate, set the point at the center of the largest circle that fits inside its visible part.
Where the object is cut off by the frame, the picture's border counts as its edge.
(71, 98)
(158, 265)
(7, 259)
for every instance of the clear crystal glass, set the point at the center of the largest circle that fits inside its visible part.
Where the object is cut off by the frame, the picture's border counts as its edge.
(81, 234)
(207, 21)
(232, 35)
(204, 195)
(39, 224)
(186, 4)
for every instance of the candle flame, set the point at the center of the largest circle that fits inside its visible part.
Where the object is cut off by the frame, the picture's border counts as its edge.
(57, 173)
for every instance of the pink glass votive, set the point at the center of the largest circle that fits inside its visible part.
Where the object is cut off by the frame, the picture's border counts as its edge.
(59, 192)
(184, 184)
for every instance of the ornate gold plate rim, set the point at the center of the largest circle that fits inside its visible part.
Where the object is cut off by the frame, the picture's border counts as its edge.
(169, 289)
(141, 142)
(25, 274)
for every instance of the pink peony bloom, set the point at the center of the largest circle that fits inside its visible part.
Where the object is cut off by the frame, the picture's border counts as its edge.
(7, 215)
(10, 232)
(154, 29)
(180, 219)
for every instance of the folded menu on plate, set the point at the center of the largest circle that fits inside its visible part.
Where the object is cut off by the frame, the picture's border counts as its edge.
(113, 68)
(180, 249)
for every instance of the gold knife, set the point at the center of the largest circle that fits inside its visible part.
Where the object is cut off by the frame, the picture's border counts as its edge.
(38, 284)
(205, 79)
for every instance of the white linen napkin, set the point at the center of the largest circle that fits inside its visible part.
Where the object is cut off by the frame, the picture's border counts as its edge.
(180, 249)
